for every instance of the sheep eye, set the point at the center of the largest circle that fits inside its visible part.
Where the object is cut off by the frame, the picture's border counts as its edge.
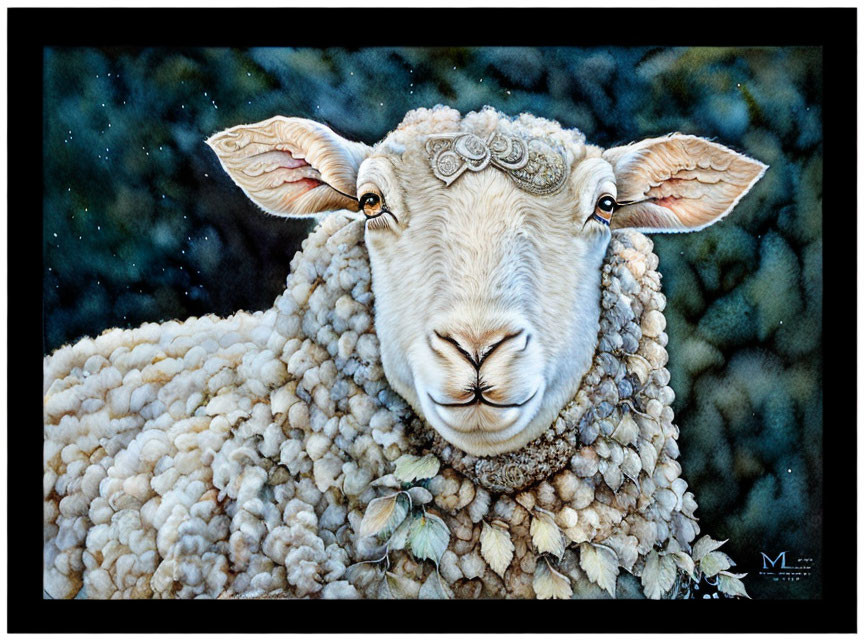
(606, 204)
(371, 205)
(604, 209)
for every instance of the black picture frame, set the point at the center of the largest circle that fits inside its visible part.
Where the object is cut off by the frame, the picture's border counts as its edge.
(30, 30)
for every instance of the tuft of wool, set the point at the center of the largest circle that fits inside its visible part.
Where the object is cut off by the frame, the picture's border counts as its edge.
(237, 457)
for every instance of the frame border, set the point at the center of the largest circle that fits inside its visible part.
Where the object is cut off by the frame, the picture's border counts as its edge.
(30, 30)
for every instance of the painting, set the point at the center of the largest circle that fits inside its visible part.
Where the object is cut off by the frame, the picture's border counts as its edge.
(297, 466)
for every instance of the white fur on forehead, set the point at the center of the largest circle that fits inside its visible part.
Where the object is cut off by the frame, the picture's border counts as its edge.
(419, 123)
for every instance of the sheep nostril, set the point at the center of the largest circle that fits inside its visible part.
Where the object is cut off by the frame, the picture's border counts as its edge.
(472, 358)
(477, 350)
(489, 350)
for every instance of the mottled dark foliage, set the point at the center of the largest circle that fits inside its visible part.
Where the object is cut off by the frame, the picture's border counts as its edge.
(140, 224)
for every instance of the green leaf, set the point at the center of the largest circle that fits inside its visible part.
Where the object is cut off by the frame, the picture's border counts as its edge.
(730, 584)
(658, 575)
(496, 548)
(410, 468)
(428, 538)
(383, 515)
(714, 562)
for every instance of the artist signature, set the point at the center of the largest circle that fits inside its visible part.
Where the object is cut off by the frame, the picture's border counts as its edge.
(781, 567)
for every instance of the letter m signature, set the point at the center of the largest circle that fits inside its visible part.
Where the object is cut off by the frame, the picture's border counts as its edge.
(781, 558)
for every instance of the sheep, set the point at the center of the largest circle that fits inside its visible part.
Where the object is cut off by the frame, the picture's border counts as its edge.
(281, 453)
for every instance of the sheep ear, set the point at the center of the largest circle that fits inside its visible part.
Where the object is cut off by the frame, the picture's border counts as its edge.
(678, 182)
(291, 166)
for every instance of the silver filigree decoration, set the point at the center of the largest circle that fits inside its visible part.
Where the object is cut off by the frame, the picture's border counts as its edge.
(536, 165)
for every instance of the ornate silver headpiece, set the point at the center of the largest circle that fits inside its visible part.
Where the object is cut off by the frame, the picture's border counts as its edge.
(536, 165)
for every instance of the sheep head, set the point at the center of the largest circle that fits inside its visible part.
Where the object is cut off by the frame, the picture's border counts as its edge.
(486, 237)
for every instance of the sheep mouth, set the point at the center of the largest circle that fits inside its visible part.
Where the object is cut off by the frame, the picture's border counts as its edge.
(480, 399)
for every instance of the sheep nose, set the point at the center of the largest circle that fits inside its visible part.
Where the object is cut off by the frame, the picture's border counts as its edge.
(477, 346)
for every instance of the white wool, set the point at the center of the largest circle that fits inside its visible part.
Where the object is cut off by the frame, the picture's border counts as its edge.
(235, 457)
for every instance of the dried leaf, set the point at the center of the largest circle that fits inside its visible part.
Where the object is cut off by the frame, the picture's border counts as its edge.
(419, 495)
(715, 562)
(496, 548)
(428, 538)
(383, 515)
(410, 468)
(648, 456)
(612, 476)
(433, 588)
(625, 548)
(627, 430)
(645, 531)
(684, 527)
(631, 465)
(400, 537)
(705, 545)
(546, 535)
(386, 481)
(658, 575)
(734, 575)
(649, 428)
(730, 584)
(679, 487)
(548, 583)
(600, 564)
(665, 501)
(401, 588)
(361, 574)
(479, 507)
(526, 499)
(685, 563)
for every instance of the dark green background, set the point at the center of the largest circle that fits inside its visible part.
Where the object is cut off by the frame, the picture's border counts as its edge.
(140, 223)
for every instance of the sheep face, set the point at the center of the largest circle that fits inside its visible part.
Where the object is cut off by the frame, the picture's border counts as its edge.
(486, 295)
(486, 237)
